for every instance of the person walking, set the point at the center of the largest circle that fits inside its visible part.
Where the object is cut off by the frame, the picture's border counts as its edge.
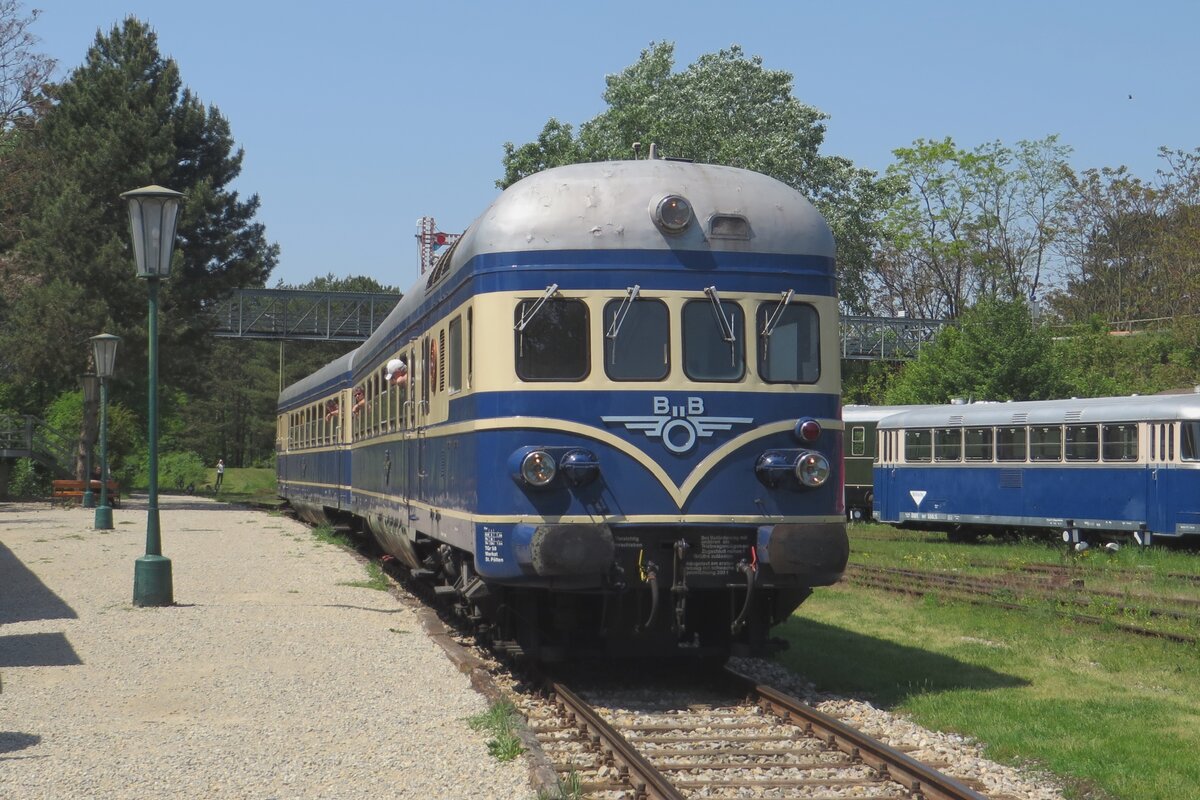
(220, 473)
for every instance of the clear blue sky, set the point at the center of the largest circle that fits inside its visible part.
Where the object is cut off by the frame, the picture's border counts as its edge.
(358, 117)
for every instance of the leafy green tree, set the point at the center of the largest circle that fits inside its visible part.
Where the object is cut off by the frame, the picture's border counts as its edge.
(1091, 362)
(350, 283)
(867, 382)
(126, 437)
(723, 109)
(995, 352)
(973, 224)
(122, 120)
(1112, 217)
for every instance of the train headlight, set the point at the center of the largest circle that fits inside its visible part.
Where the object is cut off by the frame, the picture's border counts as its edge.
(580, 466)
(673, 214)
(772, 467)
(812, 469)
(538, 468)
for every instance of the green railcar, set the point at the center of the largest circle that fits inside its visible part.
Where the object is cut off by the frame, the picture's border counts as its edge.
(859, 444)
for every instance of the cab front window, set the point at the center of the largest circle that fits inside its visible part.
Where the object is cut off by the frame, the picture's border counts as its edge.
(637, 340)
(552, 341)
(712, 347)
(789, 343)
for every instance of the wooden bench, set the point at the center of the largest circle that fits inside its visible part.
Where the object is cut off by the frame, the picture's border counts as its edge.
(67, 491)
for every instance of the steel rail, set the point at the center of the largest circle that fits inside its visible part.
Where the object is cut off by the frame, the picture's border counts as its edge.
(1067, 595)
(911, 586)
(918, 778)
(646, 781)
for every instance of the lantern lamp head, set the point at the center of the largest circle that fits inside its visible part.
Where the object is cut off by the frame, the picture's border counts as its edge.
(153, 214)
(91, 387)
(104, 351)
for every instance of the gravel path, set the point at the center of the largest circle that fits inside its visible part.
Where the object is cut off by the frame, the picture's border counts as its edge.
(269, 678)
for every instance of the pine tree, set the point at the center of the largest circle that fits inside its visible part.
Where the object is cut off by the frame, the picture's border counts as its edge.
(123, 120)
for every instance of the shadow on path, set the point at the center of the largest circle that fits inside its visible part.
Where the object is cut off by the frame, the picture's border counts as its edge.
(37, 650)
(12, 741)
(23, 596)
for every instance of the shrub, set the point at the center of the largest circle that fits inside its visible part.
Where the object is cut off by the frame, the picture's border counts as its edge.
(27, 479)
(176, 471)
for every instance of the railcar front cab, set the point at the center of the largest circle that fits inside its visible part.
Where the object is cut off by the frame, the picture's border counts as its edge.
(651, 339)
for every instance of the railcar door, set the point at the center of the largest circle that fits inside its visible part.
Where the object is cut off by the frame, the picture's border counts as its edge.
(1160, 514)
(404, 447)
(418, 471)
(885, 479)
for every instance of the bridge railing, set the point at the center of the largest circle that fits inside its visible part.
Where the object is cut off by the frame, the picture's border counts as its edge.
(299, 314)
(26, 436)
(887, 338)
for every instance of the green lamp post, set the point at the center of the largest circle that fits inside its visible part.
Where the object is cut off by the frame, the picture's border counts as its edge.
(104, 352)
(153, 213)
(91, 395)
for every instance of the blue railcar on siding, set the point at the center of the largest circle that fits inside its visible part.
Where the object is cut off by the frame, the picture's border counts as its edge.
(619, 431)
(1109, 466)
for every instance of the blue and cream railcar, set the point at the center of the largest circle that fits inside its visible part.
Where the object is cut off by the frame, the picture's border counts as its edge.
(620, 429)
(312, 450)
(1111, 466)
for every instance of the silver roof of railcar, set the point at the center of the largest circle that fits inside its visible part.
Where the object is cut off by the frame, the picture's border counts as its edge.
(608, 204)
(856, 413)
(331, 371)
(1051, 412)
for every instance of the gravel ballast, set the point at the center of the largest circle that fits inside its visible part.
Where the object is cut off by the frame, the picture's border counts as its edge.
(271, 676)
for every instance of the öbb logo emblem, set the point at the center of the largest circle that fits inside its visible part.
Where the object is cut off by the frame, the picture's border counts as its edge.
(679, 426)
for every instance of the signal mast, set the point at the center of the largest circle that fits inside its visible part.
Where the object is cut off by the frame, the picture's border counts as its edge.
(430, 240)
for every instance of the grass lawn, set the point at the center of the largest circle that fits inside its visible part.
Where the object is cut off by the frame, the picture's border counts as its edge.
(1114, 715)
(246, 485)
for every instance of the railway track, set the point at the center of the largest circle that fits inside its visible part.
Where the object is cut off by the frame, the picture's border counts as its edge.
(986, 592)
(753, 742)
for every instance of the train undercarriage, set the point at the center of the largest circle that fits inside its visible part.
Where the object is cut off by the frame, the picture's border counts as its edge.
(661, 592)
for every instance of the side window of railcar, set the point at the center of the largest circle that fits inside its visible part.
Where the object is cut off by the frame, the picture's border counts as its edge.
(791, 350)
(470, 349)
(1045, 443)
(1119, 442)
(1189, 441)
(978, 444)
(858, 440)
(1082, 443)
(1010, 444)
(917, 445)
(637, 340)
(554, 343)
(708, 352)
(947, 444)
(454, 356)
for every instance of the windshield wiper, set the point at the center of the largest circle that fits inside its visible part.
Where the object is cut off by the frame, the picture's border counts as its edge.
(631, 294)
(528, 316)
(726, 323)
(773, 321)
